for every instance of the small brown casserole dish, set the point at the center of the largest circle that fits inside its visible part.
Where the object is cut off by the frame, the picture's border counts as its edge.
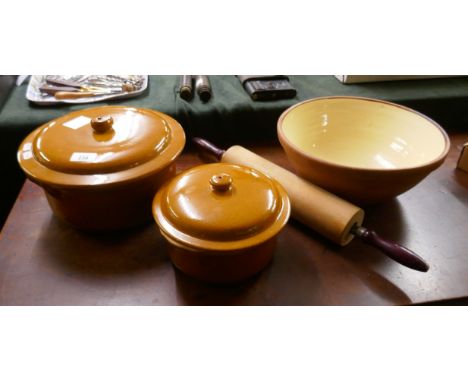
(221, 220)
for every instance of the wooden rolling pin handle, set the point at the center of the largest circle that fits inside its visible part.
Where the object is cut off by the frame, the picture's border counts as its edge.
(395, 251)
(208, 151)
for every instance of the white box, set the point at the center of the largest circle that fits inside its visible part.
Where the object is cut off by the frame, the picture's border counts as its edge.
(354, 79)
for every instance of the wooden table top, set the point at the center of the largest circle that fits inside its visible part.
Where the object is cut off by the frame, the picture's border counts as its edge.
(45, 262)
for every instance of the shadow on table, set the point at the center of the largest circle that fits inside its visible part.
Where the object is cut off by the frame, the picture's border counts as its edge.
(101, 254)
(461, 177)
(462, 301)
(197, 293)
(351, 275)
(289, 279)
(303, 272)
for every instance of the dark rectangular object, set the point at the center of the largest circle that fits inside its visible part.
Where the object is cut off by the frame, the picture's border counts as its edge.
(265, 88)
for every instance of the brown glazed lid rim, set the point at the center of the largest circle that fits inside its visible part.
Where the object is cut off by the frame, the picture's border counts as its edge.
(184, 237)
(41, 174)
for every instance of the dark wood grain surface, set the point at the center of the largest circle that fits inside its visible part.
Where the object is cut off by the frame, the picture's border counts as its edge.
(45, 262)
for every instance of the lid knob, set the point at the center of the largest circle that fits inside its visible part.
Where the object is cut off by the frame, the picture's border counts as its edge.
(102, 123)
(221, 182)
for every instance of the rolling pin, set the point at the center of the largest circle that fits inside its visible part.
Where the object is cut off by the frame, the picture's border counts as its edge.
(331, 216)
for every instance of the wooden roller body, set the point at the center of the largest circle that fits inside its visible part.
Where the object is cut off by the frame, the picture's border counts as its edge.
(324, 212)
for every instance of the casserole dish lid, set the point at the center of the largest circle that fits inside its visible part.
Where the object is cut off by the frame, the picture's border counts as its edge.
(221, 206)
(101, 145)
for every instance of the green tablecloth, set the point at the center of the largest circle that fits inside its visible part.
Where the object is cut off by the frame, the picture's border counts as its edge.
(231, 111)
(231, 116)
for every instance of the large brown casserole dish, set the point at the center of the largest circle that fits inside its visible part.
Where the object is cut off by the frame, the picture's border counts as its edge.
(100, 167)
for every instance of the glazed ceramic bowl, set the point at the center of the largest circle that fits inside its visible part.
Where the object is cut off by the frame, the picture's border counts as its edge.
(221, 220)
(100, 167)
(364, 150)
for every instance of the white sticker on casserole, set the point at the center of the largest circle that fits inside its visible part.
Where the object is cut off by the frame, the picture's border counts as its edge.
(77, 122)
(83, 157)
(27, 153)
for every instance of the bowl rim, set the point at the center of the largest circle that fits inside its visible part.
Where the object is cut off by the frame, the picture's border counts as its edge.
(282, 137)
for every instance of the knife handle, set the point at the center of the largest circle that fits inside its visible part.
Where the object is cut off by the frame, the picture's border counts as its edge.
(75, 95)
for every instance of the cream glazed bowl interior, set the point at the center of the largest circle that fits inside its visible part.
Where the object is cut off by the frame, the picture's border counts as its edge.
(363, 149)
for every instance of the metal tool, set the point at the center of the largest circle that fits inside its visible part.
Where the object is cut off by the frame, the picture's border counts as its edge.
(185, 89)
(96, 83)
(75, 87)
(203, 87)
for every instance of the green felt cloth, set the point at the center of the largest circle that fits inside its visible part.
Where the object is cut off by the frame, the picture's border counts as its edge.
(231, 111)
(230, 116)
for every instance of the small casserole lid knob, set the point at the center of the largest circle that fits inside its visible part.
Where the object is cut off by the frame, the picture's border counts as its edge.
(221, 182)
(102, 123)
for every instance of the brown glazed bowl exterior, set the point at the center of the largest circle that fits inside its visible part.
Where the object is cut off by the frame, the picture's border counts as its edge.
(222, 266)
(366, 129)
(107, 208)
(113, 193)
(222, 231)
